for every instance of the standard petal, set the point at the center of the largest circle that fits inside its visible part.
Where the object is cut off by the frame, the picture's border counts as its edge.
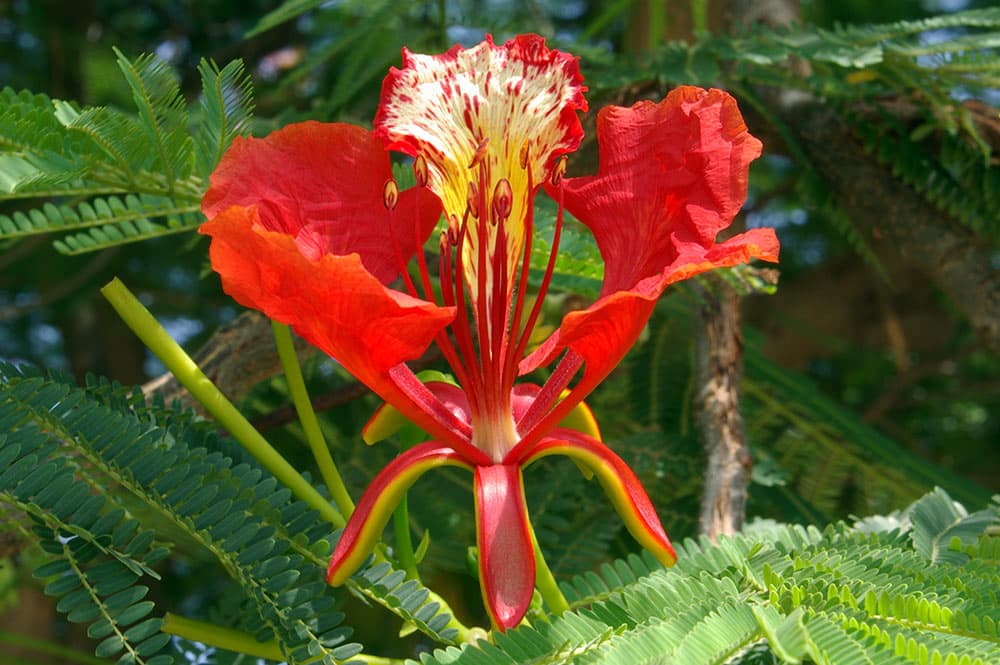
(335, 304)
(379, 500)
(506, 554)
(619, 483)
(322, 184)
(508, 108)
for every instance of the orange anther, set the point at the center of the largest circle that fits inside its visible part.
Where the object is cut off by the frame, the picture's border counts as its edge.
(558, 171)
(503, 201)
(480, 153)
(472, 200)
(420, 170)
(390, 194)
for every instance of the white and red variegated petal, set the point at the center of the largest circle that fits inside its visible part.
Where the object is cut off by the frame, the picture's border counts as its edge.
(481, 115)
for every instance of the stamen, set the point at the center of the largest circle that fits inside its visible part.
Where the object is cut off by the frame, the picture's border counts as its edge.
(453, 230)
(511, 359)
(524, 156)
(390, 194)
(543, 288)
(463, 334)
(390, 197)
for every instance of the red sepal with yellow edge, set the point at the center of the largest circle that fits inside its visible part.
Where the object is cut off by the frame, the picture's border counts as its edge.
(619, 483)
(378, 502)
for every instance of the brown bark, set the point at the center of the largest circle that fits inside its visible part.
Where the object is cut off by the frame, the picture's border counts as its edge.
(236, 357)
(718, 370)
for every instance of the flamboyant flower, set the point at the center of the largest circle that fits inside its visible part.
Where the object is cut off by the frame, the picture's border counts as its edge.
(308, 226)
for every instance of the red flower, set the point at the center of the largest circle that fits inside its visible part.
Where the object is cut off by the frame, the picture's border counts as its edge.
(308, 227)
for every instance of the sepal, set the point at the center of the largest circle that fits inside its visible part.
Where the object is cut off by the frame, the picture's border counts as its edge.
(620, 484)
(378, 502)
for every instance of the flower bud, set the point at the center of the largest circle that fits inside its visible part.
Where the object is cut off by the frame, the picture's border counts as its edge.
(390, 194)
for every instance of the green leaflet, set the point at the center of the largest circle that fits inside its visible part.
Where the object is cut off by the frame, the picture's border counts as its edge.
(273, 547)
(839, 596)
(109, 177)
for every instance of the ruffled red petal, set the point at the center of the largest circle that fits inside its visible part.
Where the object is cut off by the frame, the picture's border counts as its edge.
(333, 302)
(673, 172)
(672, 176)
(322, 184)
(506, 553)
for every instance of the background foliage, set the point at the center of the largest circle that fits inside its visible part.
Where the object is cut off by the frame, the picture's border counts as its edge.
(869, 380)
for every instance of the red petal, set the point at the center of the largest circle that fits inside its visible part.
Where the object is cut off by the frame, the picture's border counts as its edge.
(619, 483)
(379, 500)
(506, 555)
(335, 304)
(322, 184)
(672, 172)
(672, 175)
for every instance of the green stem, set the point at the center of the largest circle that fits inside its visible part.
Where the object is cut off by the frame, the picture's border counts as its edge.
(47, 647)
(545, 581)
(404, 544)
(237, 641)
(208, 394)
(310, 425)
(220, 637)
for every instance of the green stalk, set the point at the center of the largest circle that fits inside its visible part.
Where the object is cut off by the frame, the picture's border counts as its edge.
(404, 544)
(545, 581)
(237, 641)
(208, 394)
(310, 425)
(47, 647)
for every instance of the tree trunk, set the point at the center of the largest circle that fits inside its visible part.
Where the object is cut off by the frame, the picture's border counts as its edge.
(718, 370)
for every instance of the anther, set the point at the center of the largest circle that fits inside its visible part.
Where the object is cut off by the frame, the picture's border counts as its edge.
(443, 242)
(472, 200)
(524, 156)
(390, 194)
(558, 171)
(420, 170)
(480, 153)
(503, 201)
(453, 230)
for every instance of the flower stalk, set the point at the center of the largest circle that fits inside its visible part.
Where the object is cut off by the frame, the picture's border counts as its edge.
(170, 353)
(238, 641)
(307, 416)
